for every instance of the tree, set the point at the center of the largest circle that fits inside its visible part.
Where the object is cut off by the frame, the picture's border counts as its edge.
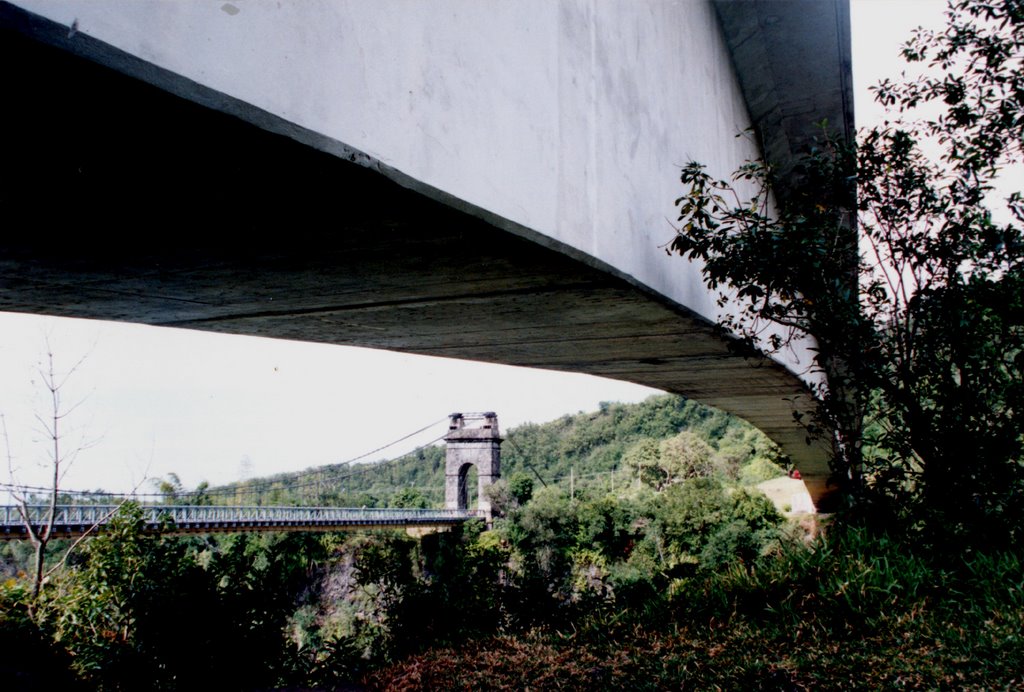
(660, 464)
(948, 271)
(521, 487)
(645, 458)
(686, 456)
(894, 262)
(409, 498)
(174, 491)
(39, 525)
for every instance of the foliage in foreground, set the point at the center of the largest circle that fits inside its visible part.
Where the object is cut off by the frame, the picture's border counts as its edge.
(313, 609)
(140, 611)
(907, 269)
(699, 585)
(306, 609)
(856, 611)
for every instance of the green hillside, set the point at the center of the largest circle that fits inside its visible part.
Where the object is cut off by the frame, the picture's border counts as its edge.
(593, 448)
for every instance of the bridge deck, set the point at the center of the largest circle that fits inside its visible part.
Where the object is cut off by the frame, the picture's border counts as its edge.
(356, 211)
(75, 520)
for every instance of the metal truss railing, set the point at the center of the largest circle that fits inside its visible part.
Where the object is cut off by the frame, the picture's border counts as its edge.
(71, 520)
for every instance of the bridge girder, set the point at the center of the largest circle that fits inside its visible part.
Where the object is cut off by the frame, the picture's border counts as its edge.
(190, 209)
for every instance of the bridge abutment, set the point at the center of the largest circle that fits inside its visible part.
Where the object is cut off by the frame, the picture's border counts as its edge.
(473, 440)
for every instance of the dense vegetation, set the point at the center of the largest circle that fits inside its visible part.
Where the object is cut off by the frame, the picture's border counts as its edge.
(632, 550)
(601, 448)
(659, 498)
(858, 612)
(902, 255)
(674, 572)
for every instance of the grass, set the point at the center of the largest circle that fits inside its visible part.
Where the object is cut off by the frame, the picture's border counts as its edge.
(858, 612)
(729, 656)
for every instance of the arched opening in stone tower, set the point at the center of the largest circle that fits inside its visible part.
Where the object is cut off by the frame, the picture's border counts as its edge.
(468, 486)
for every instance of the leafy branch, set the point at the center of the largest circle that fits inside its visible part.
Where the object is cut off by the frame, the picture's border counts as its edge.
(892, 259)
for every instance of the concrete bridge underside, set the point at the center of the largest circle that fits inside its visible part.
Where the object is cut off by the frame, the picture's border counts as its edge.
(123, 202)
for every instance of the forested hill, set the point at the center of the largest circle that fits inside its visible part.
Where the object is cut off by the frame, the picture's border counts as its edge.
(603, 447)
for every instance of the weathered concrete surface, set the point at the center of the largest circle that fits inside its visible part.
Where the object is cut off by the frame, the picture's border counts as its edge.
(789, 495)
(782, 75)
(353, 180)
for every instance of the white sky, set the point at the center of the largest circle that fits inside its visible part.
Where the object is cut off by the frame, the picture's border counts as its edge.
(879, 28)
(159, 400)
(165, 400)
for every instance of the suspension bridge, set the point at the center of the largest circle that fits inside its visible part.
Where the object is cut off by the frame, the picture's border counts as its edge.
(472, 440)
(73, 521)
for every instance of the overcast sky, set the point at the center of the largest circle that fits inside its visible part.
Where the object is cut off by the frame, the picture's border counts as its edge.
(161, 400)
(213, 407)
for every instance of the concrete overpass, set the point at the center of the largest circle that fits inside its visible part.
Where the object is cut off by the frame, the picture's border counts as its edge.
(490, 181)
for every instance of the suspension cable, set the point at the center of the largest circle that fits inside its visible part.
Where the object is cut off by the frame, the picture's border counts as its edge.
(241, 490)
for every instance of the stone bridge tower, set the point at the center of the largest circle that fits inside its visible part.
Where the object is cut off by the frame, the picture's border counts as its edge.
(473, 440)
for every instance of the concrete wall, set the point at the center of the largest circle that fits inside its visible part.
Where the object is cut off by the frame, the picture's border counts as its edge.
(566, 120)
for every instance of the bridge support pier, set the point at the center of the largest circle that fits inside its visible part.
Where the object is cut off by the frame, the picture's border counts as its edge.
(473, 441)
